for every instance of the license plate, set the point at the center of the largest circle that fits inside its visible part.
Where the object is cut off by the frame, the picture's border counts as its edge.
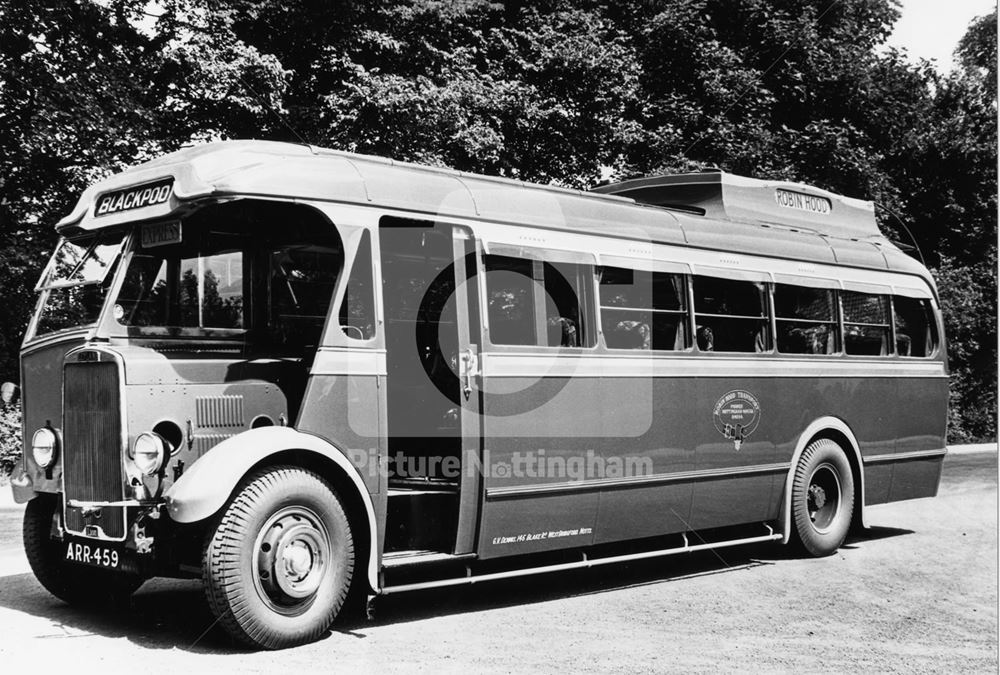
(94, 555)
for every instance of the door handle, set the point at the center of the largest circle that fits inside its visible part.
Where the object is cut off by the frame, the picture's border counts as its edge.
(469, 368)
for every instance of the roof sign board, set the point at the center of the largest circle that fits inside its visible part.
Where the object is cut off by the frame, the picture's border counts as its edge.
(136, 197)
(803, 202)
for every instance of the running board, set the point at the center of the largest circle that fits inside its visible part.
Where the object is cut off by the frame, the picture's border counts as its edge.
(396, 559)
(584, 563)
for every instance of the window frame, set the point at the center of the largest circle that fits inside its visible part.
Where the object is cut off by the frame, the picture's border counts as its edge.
(538, 259)
(874, 291)
(766, 318)
(932, 325)
(835, 321)
(684, 312)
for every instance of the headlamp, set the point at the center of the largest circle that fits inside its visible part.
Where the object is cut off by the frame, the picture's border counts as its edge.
(43, 447)
(149, 451)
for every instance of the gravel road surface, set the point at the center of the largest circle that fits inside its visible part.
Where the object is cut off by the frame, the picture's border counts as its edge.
(917, 592)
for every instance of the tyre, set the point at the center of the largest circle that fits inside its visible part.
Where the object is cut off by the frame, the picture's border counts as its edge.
(278, 566)
(822, 498)
(67, 581)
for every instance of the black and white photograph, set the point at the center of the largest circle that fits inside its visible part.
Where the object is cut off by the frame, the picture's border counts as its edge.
(451, 336)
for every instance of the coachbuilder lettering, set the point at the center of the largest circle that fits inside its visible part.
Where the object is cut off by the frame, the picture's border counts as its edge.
(134, 198)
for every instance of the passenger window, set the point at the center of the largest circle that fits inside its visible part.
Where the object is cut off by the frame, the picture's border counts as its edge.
(866, 324)
(730, 315)
(510, 300)
(357, 311)
(643, 310)
(915, 327)
(566, 287)
(530, 302)
(805, 319)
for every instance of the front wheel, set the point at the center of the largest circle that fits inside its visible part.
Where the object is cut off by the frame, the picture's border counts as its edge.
(822, 497)
(278, 566)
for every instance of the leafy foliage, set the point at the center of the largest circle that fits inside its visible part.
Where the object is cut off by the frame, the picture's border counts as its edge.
(10, 437)
(563, 91)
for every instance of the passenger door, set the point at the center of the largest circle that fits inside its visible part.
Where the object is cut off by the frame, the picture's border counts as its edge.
(469, 336)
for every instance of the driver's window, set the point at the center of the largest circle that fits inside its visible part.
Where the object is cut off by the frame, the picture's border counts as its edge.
(301, 284)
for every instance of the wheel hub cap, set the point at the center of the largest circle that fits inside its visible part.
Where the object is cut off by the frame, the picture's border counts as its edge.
(823, 497)
(298, 560)
(293, 552)
(818, 496)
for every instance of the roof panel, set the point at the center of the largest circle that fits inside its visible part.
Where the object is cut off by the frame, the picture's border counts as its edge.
(742, 215)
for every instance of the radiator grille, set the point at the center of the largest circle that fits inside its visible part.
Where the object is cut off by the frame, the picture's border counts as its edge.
(92, 433)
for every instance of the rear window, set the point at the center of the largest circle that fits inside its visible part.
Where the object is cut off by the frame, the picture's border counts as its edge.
(916, 333)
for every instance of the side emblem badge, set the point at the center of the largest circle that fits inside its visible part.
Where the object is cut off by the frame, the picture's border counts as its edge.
(736, 415)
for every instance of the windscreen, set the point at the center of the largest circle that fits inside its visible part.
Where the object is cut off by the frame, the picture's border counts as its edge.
(267, 273)
(76, 281)
(196, 285)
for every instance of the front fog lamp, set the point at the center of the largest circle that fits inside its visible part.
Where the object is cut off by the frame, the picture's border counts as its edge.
(43, 447)
(148, 452)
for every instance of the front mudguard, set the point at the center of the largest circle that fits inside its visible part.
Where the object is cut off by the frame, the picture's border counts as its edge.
(206, 487)
(23, 488)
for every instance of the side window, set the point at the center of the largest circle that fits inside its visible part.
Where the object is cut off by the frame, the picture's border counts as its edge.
(301, 282)
(915, 326)
(357, 311)
(566, 300)
(730, 315)
(643, 310)
(510, 300)
(866, 324)
(806, 320)
(530, 302)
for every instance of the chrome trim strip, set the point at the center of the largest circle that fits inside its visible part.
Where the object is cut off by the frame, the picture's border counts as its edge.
(80, 504)
(904, 456)
(563, 364)
(518, 491)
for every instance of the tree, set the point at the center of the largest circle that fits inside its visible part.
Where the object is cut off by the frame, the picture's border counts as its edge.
(85, 90)
(558, 91)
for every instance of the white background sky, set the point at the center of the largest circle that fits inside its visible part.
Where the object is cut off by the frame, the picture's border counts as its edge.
(931, 29)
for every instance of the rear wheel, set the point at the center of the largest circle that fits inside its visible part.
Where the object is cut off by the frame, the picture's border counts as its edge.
(67, 581)
(278, 566)
(822, 497)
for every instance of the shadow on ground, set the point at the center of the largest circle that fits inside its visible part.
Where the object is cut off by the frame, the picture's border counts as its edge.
(172, 614)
